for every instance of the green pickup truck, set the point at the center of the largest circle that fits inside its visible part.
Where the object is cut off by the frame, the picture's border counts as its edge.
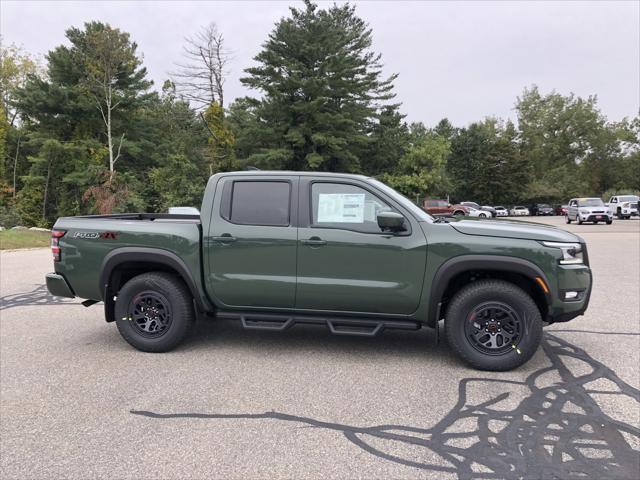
(274, 249)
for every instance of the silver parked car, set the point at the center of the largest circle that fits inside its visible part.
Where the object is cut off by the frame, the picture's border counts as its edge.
(588, 210)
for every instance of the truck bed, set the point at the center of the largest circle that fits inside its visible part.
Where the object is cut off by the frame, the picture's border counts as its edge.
(90, 240)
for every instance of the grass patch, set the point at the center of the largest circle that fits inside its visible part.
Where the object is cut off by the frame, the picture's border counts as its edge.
(11, 239)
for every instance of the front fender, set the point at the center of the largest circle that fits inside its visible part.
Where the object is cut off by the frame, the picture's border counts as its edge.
(464, 263)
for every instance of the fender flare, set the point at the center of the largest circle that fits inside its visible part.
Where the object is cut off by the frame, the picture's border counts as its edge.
(460, 264)
(122, 255)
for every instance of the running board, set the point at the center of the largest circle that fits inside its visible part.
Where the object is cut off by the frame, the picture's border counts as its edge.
(338, 326)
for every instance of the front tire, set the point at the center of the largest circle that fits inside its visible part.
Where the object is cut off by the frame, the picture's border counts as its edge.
(154, 312)
(493, 325)
(567, 219)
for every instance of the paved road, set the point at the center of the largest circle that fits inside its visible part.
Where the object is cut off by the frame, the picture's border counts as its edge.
(78, 402)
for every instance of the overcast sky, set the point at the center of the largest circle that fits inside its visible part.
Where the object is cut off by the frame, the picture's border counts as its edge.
(461, 60)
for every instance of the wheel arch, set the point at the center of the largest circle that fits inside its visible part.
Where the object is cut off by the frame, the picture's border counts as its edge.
(459, 271)
(124, 263)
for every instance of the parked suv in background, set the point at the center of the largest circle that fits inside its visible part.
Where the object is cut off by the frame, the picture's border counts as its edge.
(519, 211)
(541, 209)
(442, 208)
(623, 206)
(588, 210)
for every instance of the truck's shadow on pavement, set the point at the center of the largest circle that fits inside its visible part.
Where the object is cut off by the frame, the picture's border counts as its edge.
(547, 426)
(36, 297)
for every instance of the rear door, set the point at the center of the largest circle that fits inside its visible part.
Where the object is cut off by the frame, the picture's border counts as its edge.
(345, 262)
(251, 245)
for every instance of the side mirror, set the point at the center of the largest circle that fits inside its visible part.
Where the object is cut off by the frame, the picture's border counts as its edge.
(390, 222)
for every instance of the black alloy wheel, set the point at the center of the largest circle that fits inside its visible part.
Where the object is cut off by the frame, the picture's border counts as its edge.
(150, 314)
(493, 328)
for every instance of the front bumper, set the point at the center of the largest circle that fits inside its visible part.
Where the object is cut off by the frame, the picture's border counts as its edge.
(596, 217)
(58, 286)
(577, 278)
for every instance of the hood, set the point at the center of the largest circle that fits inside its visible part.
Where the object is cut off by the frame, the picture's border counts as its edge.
(524, 230)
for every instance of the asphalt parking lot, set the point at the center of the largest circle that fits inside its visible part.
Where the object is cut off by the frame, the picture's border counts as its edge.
(78, 402)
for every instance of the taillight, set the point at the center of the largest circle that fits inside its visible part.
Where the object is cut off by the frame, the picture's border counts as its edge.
(55, 247)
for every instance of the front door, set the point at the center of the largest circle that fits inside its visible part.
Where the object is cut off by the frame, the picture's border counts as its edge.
(345, 261)
(252, 242)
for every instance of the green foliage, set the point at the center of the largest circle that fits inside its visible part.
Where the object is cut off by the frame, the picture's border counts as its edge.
(178, 183)
(4, 132)
(220, 141)
(15, 67)
(322, 91)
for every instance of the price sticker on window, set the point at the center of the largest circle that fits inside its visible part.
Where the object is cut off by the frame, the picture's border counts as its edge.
(341, 208)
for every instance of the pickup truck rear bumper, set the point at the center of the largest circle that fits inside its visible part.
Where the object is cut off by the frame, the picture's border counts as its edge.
(58, 286)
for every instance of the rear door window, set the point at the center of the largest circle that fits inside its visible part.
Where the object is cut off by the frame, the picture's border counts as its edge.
(260, 203)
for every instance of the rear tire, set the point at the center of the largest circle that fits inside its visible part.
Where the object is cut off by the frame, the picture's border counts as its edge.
(507, 318)
(154, 312)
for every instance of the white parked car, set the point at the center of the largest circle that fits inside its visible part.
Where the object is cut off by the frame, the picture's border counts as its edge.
(519, 211)
(474, 212)
(501, 211)
(623, 206)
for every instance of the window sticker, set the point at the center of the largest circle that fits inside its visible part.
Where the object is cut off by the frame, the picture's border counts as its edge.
(341, 208)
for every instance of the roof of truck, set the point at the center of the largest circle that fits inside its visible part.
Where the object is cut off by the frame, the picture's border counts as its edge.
(253, 173)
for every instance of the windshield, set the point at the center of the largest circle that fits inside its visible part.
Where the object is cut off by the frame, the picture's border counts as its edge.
(544, 205)
(591, 202)
(420, 214)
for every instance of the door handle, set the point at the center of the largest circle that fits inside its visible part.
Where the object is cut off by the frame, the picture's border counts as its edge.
(225, 238)
(314, 241)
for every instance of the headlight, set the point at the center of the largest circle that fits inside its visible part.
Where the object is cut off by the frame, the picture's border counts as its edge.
(571, 252)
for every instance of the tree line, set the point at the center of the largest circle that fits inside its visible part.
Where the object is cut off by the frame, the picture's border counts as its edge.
(85, 132)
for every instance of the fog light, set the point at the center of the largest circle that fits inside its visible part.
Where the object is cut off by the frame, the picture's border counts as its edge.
(570, 295)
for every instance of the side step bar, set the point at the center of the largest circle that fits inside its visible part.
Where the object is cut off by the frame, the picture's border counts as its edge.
(337, 326)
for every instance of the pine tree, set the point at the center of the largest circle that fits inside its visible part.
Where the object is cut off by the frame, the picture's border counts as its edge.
(323, 89)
